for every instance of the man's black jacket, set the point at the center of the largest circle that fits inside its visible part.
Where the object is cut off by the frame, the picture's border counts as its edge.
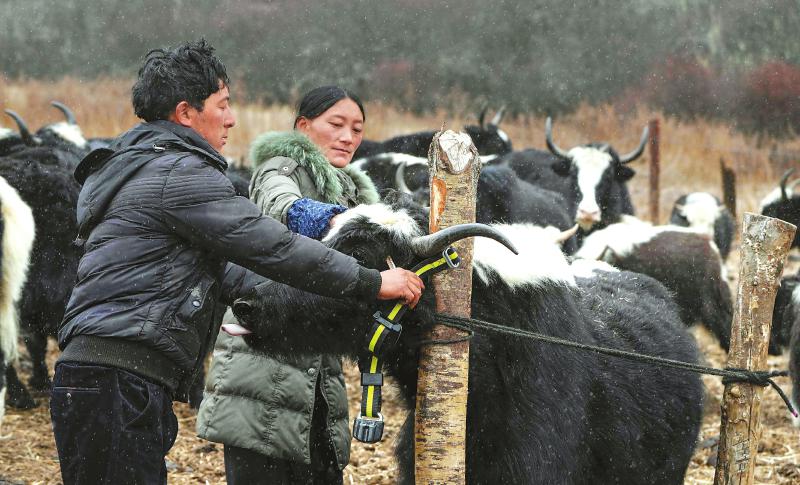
(160, 220)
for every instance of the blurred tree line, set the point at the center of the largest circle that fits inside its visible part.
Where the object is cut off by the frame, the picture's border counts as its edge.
(688, 57)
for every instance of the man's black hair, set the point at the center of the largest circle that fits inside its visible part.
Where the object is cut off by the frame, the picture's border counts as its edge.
(189, 72)
(319, 100)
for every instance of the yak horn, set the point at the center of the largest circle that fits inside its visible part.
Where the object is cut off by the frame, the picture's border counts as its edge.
(482, 116)
(433, 244)
(784, 179)
(400, 178)
(564, 235)
(498, 117)
(548, 135)
(27, 138)
(638, 152)
(67, 112)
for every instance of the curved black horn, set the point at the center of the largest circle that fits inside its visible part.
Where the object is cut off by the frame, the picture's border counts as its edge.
(638, 152)
(498, 117)
(67, 112)
(27, 138)
(482, 116)
(433, 244)
(400, 178)
(548, 135)
(784, 179)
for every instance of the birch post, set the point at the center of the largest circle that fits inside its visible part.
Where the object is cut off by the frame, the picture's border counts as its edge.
(765, 244)
(441, 412)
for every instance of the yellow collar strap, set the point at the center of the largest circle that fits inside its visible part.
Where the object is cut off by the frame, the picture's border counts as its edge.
(382, 335)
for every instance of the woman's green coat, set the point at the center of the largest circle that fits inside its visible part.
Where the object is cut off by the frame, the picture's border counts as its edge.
(265, 403)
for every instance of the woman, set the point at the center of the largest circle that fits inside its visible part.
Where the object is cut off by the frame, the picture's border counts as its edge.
(284, 419)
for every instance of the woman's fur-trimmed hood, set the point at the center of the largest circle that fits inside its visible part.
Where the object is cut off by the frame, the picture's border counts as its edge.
(301, 149)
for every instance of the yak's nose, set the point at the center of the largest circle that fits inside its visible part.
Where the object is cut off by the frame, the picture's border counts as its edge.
(587, 219)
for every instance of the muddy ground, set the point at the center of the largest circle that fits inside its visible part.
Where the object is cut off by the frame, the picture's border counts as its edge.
(27, 449)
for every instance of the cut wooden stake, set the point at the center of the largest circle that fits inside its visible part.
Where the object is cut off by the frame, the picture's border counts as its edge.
(441, 412)
(765, 244)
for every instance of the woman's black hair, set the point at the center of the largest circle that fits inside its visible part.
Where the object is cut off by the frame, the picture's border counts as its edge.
(319, 100)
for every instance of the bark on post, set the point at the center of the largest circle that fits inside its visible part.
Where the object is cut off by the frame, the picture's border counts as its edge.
(765, 244)
(655, 171)
(441, 412)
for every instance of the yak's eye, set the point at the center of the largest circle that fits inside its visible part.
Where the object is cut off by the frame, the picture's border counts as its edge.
(360, 255)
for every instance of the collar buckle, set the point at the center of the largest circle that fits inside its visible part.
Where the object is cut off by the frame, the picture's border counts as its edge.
(451, 257)
(368, 430)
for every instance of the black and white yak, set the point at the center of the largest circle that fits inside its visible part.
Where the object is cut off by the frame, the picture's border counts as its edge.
(786, 318)
(536, 413)
(706, 214)
(488, 138)
(45, 182)
(784, 203)
(501, 197)
(685, 261)
(17, 233)
(591, 177)
(785, 311)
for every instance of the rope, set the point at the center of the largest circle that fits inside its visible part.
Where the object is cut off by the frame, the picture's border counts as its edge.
(729, 374)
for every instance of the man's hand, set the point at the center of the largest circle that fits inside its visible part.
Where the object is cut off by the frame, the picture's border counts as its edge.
(401, 284)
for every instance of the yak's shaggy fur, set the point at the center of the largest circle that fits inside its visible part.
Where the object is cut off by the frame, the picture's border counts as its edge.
(17, 229)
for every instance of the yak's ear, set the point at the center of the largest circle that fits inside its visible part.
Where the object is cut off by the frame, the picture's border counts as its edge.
(561, 167)
(624, 173)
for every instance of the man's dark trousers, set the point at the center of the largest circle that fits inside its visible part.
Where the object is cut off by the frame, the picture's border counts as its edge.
(110, 426)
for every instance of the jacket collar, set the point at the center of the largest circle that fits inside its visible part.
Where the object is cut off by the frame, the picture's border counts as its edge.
(161, 133)
(325, 176)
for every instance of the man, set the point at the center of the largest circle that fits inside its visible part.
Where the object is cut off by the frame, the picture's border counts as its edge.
(158, 220)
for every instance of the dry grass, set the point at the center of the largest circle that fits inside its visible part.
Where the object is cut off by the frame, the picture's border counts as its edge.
(690, 151)
(690, 154)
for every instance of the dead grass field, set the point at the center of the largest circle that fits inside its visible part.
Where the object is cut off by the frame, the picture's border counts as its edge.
(690, 155)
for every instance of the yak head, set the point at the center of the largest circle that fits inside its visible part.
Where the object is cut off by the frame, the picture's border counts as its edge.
(600, 175)
(699, 210)
(783, 203)
(286, 319)
(63, 139)
(488, 138)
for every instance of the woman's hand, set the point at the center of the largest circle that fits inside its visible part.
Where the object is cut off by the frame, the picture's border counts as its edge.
(401, 284)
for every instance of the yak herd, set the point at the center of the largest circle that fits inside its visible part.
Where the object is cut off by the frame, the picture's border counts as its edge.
(536, 413)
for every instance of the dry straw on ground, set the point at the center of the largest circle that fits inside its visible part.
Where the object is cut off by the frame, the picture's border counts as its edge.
(690, 159)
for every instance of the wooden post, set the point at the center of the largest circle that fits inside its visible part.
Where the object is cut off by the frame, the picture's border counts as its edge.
(765, 244)
(728, 187)
(441, 412)
(655, 170)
